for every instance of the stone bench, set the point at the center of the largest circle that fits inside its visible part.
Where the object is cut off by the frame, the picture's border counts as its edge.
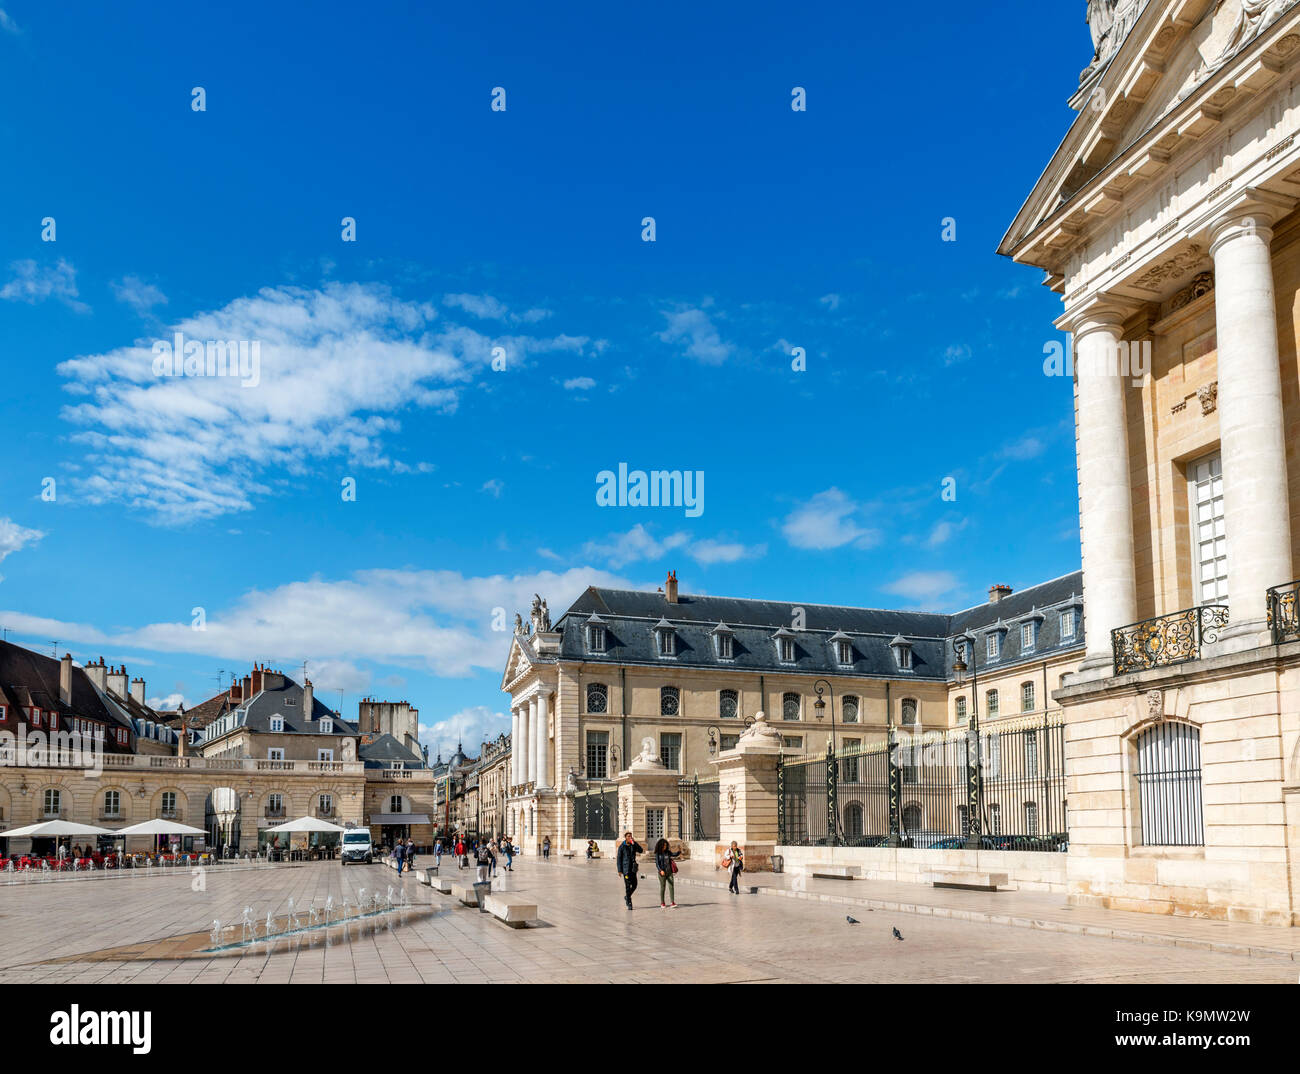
(425, 876)
(440, 884)
(515, 910)
(971, 881)
(465, 893)
(826, 871)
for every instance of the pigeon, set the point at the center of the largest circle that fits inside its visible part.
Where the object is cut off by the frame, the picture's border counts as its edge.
(851, 920)
(897, 935)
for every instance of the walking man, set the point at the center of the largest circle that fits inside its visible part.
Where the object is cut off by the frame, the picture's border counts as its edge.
(437, 853)
(485, 860)
(410, 854)
(399, 852)
(546, 849)
(510, 856)
(627, 852)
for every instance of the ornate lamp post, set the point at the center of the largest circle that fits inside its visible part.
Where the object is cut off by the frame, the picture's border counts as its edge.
(963, 644)
(832, 764)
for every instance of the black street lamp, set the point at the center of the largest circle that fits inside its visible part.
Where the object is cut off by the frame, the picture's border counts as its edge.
(833, 769)
(963, 645)
(714, 736)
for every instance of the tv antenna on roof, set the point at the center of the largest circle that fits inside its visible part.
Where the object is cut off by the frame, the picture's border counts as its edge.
(54, 649)
(220, 675)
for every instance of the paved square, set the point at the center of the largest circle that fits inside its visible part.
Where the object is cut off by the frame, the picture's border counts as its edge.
(586, 935)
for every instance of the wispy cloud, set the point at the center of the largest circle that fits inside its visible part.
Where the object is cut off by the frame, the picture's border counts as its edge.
(14, 538)
(469, 729)
(923, 586)
(7, 23)
(831, 301)
(693, 329)
(487, 308)
(32, 283)
(140, 296)
(638, 544)
(579, 384)
(829, 519)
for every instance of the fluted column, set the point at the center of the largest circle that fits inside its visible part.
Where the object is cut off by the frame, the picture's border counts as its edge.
(1251, 426)
(1105, 493)
(543, 740)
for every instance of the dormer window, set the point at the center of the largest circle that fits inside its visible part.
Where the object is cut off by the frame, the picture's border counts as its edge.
(784, 640)
(1068, 624)
(665, 638)
(291, 701)
(842, 644)
(993, 646)
(326, 725)
(724, 642)
(595, 634)
(902, 652)
(1029, 631)
(277, 723)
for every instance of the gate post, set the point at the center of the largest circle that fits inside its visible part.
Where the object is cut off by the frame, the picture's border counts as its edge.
(750, 805)
(832, 805)
(895, 790)
(974, 787)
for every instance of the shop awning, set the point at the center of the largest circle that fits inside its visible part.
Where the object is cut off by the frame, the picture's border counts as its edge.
(399, 818)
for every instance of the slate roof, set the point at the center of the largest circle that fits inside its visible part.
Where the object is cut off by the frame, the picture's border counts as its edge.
(384, 750)
(284, 699)
(631, 617)
(30, 680)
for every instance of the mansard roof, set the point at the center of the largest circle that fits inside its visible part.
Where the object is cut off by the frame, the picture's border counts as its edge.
(632, 616)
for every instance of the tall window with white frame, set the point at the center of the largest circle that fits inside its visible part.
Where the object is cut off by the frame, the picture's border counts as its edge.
(53, 802)
(1027, 696)
(1209, 538)
(1169, 788)
(991, 703)
(670, 750)
(597, 754)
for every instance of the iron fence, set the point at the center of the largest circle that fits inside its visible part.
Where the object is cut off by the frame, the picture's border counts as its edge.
(595, 812)
(924, 792)
(1284, 612)
(1167, 639)
(697, 809)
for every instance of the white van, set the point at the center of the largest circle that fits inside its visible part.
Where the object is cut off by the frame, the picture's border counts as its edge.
(356, 846)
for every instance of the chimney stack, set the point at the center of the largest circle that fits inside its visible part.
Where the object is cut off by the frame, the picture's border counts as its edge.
(65, 679)
(183, 736)
(98, 673)
(257, 679)
(117, 681)
(137, 690)
(670, 588)
(248, 688)
(308, 699)
(998, 593)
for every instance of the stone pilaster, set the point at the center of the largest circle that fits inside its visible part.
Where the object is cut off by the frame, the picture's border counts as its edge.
(747, 791)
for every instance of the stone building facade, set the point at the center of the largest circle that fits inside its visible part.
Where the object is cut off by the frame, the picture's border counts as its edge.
(1166, 221)
(688, 673)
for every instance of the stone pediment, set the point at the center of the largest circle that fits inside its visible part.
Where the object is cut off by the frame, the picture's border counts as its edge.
(1168, 83)
(518, 661)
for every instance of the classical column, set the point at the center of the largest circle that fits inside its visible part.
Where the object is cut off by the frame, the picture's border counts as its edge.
(525, 742)
(543, 741)
(1251, 430)
(1105, 494)
(514, 746)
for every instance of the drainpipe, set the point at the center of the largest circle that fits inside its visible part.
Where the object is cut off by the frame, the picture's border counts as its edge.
(622, 696)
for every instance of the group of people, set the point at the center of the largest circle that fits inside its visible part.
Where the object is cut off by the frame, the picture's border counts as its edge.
(666, 866)
(403, 853)
(483, 851)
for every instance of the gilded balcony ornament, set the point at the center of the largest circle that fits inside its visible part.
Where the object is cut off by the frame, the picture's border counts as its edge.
(1167, 639)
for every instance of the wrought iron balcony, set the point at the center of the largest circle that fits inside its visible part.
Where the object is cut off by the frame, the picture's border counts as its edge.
(1167, 639)
(1284, 612)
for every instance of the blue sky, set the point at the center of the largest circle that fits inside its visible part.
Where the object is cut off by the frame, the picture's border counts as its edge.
(520, 229)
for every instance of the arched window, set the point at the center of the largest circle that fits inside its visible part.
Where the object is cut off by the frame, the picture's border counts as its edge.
(961, 709)
(669, 701)
(597, 697)
(790, 706)
(728, 704)
(853, 820)
(1169, 785)
(912, 817)
(849, 708)
(909, 712)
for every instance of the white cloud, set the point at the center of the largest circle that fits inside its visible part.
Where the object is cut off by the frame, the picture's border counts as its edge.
(432, 620)
(7, 23)
(137, 294)
(696, 330)
(494, 487)
(829, 519)
(468, 728)
(636, 544)
(580, 384)
(1027, 447)
(957, 352)
(170, 703)
(487, 308)
(34, 283)
(831, 301)
(923, 586)
(13, 537)
(337, 366)
(943, 532)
